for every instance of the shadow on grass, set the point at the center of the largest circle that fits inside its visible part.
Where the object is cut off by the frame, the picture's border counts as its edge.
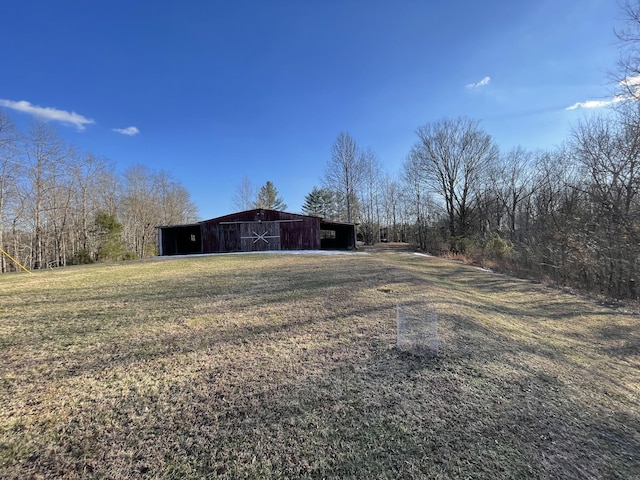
(621, 340)
(360, 408)
(327, 395)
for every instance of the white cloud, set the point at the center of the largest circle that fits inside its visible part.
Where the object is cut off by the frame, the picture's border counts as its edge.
(630, 84)
(484, 81)
(596, 103)
(131, 131)
(48, 113)
(631, 81)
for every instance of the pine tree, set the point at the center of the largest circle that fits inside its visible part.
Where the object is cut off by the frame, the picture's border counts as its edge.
(109, 233)
(320, 202)
(268, 198)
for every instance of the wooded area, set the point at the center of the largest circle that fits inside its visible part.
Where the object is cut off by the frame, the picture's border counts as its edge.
(60, 207)
(570, 215)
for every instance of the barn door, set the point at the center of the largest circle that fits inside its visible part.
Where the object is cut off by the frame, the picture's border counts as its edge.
(260, 236)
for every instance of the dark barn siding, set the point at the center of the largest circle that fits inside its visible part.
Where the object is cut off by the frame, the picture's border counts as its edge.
(254, 231)
(300, 234)
(221, 238)
(260, 236)
(259, 230)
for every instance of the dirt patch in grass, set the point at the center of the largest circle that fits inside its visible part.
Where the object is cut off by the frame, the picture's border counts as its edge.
(275, 366)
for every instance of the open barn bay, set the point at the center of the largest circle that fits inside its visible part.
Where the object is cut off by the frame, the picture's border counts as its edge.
(285, 366)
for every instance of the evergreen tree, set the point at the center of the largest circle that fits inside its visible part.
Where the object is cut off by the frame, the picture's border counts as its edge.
(320, 202)
(109, 233)
(268, 198)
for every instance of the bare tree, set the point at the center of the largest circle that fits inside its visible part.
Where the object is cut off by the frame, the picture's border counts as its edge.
(453, 155)
(96, 189)
(244, 196)
(550, 217)
(9, 172)
(139, 211)
(58, 208)
(510, 184)
(608, 153)
(418, 205)
(344, 173)
(628, 72)
(174, 201)
(370, 197)
(150, 199)
(390, 194)
(51, 196)
(46, 155)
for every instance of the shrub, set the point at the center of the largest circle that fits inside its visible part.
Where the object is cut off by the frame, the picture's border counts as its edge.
(498, 248)
(82, 257)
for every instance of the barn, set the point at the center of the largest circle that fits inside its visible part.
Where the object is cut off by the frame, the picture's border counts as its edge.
(254, 231)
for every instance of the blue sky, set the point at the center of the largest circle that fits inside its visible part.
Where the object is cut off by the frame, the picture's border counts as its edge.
(215, 91)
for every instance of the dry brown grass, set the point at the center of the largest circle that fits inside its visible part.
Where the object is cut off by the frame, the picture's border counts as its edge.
(275, 366)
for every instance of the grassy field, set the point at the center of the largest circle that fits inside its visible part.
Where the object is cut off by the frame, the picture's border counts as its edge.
(285, 366)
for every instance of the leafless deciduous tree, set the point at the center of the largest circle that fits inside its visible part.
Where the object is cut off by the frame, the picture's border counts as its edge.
(46, 159)
(51, 196)
(344, 174)
(151, 199)
(244, 196)
(95, 190)
(174, 202)
(390, 194)
(628, 72)
(453, 155)
(418, 203)
(509, 183)
(9, 174)
(370, 197)
(608, 154)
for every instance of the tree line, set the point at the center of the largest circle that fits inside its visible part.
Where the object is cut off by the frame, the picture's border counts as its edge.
(570, 214)
(59, 206)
